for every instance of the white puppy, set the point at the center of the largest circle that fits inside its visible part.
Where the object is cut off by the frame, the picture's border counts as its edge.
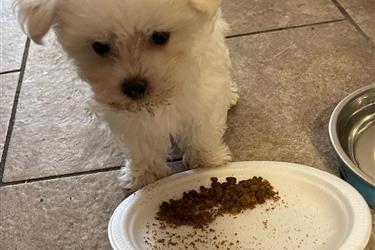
(157, 68)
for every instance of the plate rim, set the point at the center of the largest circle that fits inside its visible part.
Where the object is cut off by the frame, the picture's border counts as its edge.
(359, 234)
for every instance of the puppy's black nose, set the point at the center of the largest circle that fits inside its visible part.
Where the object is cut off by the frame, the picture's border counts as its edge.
(134, 88)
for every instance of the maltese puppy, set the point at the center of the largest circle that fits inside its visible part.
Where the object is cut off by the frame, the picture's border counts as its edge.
(158, 69)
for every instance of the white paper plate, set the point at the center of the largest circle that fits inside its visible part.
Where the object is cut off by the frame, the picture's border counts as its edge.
(316, 211)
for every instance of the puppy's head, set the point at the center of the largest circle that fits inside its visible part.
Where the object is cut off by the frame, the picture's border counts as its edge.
(133, 53)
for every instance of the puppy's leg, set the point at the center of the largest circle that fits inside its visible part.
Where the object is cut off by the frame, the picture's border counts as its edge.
(146, 163)
(136, 174)
(204, 146)
(146, 147)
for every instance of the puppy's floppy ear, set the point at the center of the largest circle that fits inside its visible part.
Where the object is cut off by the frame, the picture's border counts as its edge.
(208, 7)
(36, 17)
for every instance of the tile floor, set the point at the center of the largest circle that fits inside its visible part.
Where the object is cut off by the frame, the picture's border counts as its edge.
(293, 61)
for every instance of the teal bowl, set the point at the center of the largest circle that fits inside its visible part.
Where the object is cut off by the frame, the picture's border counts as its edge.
(352, 134)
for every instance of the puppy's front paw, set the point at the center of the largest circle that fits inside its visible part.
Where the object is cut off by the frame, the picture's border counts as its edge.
(213, 158)
(133, 178)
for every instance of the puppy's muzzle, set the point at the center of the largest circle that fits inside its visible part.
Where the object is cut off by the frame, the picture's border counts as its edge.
(134, 88)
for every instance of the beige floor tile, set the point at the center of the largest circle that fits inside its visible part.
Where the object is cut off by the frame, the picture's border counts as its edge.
(52, 133)
(12, 39)
(8, 86)
(290, 82)
(363, 13)
(246, 16)
(70, 213)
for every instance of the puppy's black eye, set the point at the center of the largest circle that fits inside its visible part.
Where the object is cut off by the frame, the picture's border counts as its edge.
(160, 38)
(101, 48)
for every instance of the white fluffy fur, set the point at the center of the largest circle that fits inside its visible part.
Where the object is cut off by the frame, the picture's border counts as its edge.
(190, 85)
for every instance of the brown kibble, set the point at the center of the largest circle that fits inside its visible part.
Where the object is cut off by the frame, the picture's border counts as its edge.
(199, 208)
(214, 179)
(231, 180)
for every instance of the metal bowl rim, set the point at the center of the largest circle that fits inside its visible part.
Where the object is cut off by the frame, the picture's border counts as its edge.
(335, 140)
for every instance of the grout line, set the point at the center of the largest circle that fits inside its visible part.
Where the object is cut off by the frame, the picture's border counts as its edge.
(174, 159)
(14, 110)
(10, 71)
(54, 177)
(351, 20)
(284, 28)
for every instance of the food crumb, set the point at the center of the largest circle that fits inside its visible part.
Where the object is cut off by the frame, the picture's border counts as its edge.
(265, 223)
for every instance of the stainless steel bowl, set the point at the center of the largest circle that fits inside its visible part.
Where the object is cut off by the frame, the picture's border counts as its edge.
(352, 133)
